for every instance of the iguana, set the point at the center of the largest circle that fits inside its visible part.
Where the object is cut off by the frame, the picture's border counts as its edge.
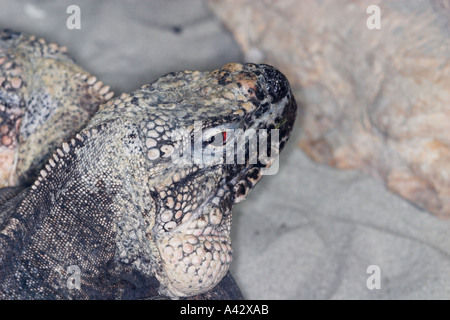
(123, 202)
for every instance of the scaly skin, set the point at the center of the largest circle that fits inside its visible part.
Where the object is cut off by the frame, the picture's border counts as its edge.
(114, 202)
(45, 98)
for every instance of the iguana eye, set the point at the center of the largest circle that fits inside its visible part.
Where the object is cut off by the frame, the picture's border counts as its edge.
(216, 138)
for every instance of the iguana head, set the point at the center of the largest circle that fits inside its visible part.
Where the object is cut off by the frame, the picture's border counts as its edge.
(192, 128)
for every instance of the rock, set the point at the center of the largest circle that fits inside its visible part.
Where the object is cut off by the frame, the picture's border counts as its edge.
(377, 100)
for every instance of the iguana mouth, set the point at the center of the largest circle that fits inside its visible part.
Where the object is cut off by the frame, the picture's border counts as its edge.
(250, 175)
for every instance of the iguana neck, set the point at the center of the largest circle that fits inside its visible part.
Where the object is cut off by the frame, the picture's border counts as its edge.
(93, 192)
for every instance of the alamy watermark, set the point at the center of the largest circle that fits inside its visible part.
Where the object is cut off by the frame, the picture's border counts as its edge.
(374, 280)
(223, 145)
(74, 20)
(74, 278)
(374, 20)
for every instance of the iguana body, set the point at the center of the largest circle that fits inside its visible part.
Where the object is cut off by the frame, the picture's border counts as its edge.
(44, 98)
(113, 202)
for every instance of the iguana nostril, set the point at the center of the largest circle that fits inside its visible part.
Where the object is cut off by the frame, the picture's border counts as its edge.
(276, 83)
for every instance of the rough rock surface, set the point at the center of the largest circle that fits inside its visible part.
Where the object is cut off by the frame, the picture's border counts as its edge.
(376, 100)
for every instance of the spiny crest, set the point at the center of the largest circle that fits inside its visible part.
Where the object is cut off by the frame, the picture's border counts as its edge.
(96, 85)
(58, 155)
